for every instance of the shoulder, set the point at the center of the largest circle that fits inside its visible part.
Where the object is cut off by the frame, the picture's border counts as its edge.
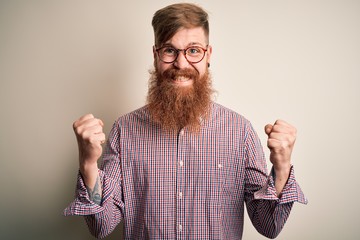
(229, 123)
(221, 113)
(135, 119)
(137, 114)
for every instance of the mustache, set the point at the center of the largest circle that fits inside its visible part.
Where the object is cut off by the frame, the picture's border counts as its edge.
(177, 73)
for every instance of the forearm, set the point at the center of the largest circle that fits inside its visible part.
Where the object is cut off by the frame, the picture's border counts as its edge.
(92, 182)
(281, 177)
(100, 228)
(107, 193)
(111, 207)
(267, 210)
(266, 213)
(268, 217)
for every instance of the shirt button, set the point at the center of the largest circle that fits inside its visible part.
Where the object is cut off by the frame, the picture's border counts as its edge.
(182, 132)
(180, 227)
(181, 163)
(220, 165)
(180, 194)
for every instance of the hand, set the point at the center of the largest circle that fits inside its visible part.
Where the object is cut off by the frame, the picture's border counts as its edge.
(90, 136)
(281, 140)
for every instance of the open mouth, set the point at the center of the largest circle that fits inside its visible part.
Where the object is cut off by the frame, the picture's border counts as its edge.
(183, 81)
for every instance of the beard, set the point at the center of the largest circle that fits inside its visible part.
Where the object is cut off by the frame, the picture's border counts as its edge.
(175, 107)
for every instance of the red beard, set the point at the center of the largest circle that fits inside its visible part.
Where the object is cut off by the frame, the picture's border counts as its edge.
(175, 107)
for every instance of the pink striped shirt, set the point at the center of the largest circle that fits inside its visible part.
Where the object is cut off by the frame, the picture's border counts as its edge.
(185, 185)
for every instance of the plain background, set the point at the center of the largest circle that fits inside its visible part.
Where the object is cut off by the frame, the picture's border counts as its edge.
(294, 60)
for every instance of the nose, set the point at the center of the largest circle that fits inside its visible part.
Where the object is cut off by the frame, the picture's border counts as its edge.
(181, 62)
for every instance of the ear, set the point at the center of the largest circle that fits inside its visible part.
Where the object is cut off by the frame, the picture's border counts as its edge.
(154, 52)
(208, 54)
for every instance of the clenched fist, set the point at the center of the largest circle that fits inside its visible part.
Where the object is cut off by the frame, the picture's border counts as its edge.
(281, 140)
(90, 136)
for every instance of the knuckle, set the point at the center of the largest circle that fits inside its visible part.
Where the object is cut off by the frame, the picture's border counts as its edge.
(276, 128)
(86, 136)
(92, 139)
(272, 135)
(285, 145)
(75, 125)
(77, 131)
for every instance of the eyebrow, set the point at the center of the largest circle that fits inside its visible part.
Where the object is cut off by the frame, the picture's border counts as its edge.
(189, 45)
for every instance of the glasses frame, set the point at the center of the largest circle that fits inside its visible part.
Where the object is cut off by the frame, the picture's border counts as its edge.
(182, 50)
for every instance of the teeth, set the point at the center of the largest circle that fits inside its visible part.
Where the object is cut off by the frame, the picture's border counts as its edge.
(182, 79)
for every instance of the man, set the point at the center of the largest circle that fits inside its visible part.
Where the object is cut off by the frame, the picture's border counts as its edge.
(182, 166)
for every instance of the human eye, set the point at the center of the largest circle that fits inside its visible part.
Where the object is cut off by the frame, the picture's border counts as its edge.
(194, 50)
(169, 51)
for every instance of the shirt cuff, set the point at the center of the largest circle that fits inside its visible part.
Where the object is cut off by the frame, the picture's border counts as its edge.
(290, 193)
(82, 205)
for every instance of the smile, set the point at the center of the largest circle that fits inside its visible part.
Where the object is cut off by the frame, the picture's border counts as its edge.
(183, 81)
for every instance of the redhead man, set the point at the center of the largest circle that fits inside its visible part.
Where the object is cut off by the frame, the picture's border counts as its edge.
(183, 166)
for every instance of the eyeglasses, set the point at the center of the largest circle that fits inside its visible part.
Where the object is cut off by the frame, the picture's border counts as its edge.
(193, 54)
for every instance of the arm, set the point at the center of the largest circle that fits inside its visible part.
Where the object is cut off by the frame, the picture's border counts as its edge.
(268, 206)
(90, 136)
(99, 192)
(281, 140)
(95, 194)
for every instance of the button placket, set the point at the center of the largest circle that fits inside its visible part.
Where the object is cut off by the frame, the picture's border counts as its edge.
(181, 155)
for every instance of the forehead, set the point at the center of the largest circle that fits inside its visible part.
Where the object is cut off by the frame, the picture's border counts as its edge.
(188, 36)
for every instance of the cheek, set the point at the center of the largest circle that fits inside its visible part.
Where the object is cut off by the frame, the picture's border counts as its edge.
(201, 68)
(161, 67)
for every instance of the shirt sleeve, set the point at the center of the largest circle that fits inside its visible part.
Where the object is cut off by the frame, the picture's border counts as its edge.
(290, 193)
(102, 219)
(267, 212)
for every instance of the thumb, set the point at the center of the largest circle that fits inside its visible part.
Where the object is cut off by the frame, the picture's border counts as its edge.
(268, 129)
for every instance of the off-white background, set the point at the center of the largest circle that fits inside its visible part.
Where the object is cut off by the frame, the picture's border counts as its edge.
(295, 60)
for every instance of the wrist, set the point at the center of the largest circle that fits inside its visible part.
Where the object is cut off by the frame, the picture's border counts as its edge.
(282, 170)
(281, 176)
(87, 169)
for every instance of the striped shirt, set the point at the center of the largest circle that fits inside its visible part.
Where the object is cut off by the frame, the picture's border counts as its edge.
(184, 185)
